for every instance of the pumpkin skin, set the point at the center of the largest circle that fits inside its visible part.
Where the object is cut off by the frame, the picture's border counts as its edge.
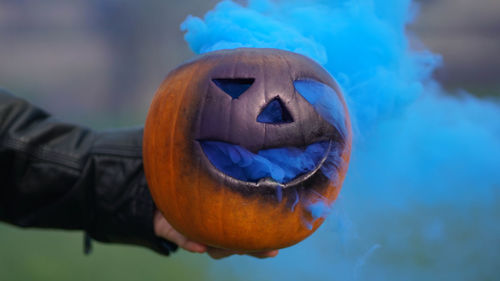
(202, 202)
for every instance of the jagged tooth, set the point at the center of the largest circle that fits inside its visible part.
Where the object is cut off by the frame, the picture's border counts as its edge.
(269, 182)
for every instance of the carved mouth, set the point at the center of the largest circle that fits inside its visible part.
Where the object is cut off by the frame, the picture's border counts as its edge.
(281, 166)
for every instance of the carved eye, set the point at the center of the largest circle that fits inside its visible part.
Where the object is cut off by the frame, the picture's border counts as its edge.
(325, 100)
(234, 87)
(275, 112)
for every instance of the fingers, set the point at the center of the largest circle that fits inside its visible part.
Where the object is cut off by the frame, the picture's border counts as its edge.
(217, 253)
(263, 255)
(183, 242)
(163, 229)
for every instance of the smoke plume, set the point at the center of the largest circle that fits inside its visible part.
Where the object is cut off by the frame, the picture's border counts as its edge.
(421, 200)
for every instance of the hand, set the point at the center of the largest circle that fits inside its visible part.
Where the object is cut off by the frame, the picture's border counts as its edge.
(217, 254)
(163, 229)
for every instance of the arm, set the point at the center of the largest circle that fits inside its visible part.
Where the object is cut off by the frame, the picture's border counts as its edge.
(57, 175)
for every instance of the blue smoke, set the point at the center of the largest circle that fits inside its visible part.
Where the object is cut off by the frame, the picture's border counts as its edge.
(280, 164)
(284, 164)
(325, 101)
(421, 200)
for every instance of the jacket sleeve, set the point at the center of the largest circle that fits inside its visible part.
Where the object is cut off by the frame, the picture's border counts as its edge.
(58, 175)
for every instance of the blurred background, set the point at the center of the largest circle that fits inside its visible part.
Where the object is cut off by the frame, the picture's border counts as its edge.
(98, 63)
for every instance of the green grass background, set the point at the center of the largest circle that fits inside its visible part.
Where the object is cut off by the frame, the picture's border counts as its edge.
(29, 254)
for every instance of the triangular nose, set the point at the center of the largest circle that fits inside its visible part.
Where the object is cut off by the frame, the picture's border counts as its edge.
(275, 112)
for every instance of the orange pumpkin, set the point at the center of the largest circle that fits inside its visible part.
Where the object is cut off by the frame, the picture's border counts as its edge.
(220, 97)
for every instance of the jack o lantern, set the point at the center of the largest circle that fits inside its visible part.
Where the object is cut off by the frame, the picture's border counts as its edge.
(240, 145)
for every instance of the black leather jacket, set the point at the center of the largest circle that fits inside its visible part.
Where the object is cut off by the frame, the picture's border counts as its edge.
(58, 175)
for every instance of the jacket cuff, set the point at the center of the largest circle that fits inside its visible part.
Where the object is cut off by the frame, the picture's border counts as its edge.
(138, 224)
(123, 208)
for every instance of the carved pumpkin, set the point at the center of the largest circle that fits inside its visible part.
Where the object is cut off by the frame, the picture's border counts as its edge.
(209, 128)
